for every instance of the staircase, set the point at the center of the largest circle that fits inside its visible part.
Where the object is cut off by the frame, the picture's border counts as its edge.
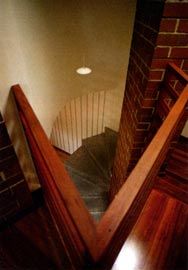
(90, 168)
(178, 164)
(175, 180)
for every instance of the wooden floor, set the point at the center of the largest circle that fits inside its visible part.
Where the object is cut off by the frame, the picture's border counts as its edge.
(158, 241)
(32, 244)
(159, 238)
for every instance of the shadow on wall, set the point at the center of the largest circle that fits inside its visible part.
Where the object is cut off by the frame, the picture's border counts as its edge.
(185, 130)
(19, 142)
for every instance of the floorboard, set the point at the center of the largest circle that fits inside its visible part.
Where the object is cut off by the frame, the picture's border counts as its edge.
(159, 239)
(32, 243)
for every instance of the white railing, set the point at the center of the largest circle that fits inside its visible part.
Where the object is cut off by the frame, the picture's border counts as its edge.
(84, 117)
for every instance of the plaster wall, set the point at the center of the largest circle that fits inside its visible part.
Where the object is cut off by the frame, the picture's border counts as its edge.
(43, 43)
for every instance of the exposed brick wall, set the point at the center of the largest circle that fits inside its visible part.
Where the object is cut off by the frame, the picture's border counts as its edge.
(14, 192)
(172, 37)
(160, 35)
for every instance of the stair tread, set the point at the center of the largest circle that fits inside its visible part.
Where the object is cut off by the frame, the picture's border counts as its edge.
(80, 163)
(179, 154)
(176, 163)
(97, 203)
(174, 187)
(98, 151)
(90, 180)
(177, 174)
(86, 187)
(177, 166)
(97, 215)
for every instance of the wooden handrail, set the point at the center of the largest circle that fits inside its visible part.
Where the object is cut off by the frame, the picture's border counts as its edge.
(122, 213)
(172, 91)
(82, 236)
(175, 75)
(178, 72)
(57, 184)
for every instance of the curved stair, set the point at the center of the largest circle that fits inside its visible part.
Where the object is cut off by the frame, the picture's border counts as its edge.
(90, 168)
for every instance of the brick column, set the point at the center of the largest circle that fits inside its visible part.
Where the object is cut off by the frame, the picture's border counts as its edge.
(159, 36)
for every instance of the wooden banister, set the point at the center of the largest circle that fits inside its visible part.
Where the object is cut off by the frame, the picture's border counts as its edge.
(59, 191)
(81, 236)
(174, 77)
(178, 72)
(122, 213)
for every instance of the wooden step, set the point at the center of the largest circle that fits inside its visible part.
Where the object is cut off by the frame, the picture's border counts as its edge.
(173, 187)
(177, 173)
(86, 187)
(97, 150)
(80, 163)
(177, 166)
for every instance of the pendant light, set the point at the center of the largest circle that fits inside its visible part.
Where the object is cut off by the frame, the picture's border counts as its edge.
(84, 70)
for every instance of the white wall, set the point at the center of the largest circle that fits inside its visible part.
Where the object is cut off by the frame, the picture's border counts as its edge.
(185, 130)
(43, 42)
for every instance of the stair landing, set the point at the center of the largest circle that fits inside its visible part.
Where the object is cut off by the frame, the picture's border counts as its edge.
(159, 239)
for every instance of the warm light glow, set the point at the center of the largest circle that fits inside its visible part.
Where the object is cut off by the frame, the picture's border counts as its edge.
(128, 257)
(84, 70)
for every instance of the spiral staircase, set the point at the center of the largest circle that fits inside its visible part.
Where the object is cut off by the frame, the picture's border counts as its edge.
(90, 168)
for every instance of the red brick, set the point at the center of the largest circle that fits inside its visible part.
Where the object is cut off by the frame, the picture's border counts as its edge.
(11, 181)
(162, 63)
(185, 64)
(151, 92)
(161, 52)
(143, 125)
(144, 114)
(138, 144)
(172, 40)
(183, 26)
(168, 25)
(139, 27)
(176, 10)
(9, 209)
(152, 85)
(140, 135)
(155, 75)
(23, 194)
(179, 53)
(136, 152)
(143, 48)
(148, 102)
(179, 87)
(150, 35)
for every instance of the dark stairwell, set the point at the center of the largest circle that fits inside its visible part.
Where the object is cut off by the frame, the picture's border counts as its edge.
(90, 168)
(172, 218)
(33, 242)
